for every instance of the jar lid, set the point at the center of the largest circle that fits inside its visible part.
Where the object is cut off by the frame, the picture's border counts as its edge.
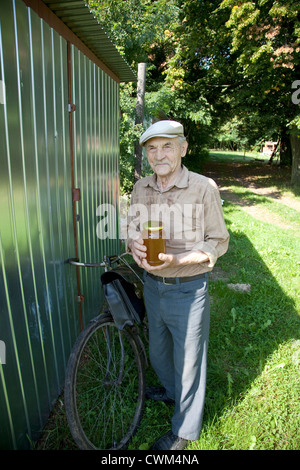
(153, 225)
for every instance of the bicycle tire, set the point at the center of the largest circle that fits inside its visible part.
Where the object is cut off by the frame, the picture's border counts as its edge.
(104, 386)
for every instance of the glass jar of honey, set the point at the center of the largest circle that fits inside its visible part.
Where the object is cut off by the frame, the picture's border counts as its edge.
(155, 241)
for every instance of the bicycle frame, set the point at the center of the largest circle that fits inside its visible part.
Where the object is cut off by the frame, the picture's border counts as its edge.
(107, 264)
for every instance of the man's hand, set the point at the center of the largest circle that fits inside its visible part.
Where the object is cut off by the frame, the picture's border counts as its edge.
(181, 259)
(168, 262)
(139, 253)
(138, 250)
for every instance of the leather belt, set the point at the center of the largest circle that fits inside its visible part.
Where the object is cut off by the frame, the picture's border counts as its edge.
(175, 280)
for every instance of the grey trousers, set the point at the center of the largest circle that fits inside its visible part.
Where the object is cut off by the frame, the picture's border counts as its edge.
(178, 316)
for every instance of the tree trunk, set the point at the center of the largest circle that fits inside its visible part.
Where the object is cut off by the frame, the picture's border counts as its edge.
(140, 101)
(285, 150)
(295, 144)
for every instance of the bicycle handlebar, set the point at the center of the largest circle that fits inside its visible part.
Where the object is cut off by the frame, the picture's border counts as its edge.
(106, 263)
(108, 260)
(76, 262)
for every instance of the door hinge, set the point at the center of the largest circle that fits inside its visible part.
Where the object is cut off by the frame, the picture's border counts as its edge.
(76, 196)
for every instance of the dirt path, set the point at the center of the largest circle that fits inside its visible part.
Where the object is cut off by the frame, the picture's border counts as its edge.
(275, 194)
(255, 178)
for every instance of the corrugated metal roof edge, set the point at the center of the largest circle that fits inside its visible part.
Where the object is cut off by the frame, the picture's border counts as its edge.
(114, 61)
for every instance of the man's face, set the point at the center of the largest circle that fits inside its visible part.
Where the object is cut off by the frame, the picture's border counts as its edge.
(164, 155)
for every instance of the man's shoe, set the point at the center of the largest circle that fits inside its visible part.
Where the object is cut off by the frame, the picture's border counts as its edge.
(158, 394)
(169, 442)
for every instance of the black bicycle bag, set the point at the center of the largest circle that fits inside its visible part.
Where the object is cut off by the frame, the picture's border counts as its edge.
(126, 306)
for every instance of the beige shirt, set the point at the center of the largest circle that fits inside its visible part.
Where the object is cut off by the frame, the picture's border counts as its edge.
(192, 215)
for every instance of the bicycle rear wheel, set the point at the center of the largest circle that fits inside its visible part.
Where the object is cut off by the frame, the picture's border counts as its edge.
(105, 386)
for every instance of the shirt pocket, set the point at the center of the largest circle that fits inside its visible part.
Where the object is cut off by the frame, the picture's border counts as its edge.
(192, 223)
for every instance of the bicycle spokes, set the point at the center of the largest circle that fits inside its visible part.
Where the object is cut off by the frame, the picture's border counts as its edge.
(106, 398)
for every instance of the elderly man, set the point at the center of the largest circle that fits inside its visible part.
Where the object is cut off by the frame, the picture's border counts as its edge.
(175, 291)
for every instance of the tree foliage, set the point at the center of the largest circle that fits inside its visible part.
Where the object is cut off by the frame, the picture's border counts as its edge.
(136, 27)
(223, 68)
(265, 36)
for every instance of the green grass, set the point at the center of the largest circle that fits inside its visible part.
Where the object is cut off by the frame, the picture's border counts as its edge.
(237, 156)
(252, 398)
(253, 371)
(287, 214)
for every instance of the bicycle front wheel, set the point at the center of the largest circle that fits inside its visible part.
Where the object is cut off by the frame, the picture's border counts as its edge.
(105, 386)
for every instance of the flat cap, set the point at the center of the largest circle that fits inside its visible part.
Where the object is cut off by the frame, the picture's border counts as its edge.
(169, 129)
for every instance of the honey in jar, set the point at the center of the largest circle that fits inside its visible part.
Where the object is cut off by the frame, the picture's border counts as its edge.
(155, 241)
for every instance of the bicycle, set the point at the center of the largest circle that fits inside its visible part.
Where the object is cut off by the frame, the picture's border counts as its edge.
(105, 375)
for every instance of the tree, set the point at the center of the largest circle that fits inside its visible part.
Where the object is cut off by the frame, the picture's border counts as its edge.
(212, 64)
(242, 57)
(265, 36)
(140, 105)
(137, 28)
(201, 69)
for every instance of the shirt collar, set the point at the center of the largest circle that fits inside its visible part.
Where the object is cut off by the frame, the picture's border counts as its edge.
(181, 182)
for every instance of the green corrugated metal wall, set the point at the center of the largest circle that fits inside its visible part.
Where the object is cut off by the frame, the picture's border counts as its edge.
(39, 314)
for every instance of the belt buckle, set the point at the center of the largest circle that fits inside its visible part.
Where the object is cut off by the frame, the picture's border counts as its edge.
(166, 283)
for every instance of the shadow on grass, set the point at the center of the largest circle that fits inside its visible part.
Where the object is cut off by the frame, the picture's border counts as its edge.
(246, 328)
